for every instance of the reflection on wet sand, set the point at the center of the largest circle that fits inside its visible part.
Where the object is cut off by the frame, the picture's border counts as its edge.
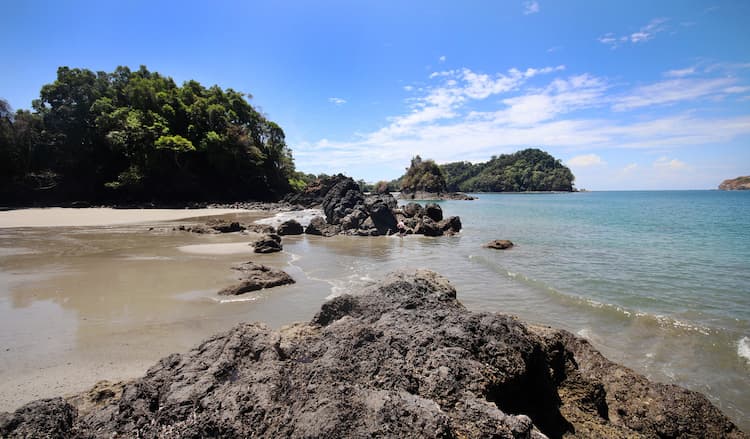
(82, 304)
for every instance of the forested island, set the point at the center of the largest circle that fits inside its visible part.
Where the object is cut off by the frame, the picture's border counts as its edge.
(137, 136)
(523, 171)
(529, 170)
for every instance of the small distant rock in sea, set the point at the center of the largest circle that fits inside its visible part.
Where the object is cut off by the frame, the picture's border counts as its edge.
(499, 244)
(736, 184)
(257, 277)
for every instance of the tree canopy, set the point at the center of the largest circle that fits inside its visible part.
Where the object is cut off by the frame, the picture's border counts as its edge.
(423, 175)
(527, 170)
(138, 136)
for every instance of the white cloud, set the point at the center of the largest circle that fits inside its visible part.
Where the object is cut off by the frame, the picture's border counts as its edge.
(672, 91)
(674, 164)
(442, 59)
(408, 87)
(530, 7)
(645, 33)
(337, 101)
(466, 115)
(679, 73)
(630, 167)
(586, 160)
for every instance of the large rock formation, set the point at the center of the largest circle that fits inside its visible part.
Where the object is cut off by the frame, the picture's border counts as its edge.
(405, 359)
(347, 210)
(736, 184)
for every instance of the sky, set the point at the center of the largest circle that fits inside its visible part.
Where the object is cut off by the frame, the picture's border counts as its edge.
(630, 95)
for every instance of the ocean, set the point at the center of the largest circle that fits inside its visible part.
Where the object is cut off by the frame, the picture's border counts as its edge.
(658, 281)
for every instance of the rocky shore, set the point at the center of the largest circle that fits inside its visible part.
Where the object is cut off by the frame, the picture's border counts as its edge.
(403, 359)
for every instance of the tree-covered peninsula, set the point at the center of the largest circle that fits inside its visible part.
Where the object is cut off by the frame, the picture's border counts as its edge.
(523, 171)
(138, 136)
(527, 170)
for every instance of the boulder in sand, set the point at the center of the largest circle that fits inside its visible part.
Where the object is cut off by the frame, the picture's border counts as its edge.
(290, 227)
(270, 243)
(256, 277)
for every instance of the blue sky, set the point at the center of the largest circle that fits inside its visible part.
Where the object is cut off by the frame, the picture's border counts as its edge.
(630, 95)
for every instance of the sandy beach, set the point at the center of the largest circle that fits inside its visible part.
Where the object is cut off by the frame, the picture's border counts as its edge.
(94, 294)
(99, 216)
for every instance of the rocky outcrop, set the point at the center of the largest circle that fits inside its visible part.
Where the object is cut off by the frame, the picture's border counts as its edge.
(270, 243)
(342, 200)
(350, 212)
(736, 184)
(405, 359)
(290, 227)
(499, 244)
(256, 277)
(315, 192)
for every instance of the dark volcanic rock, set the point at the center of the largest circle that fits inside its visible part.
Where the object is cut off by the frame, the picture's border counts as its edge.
(318, 226)
(381, 208)
(290, 227)
(268, 244)
(45, 418)
(406, 359)
(450, 225)
(434, 211)
(341, 200)
(428, 227)
(413, 210)
(256, 277)
(499, 244)
(225, 226)
(315, 192)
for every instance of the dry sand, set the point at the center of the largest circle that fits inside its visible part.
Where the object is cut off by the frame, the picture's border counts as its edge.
(98, 216)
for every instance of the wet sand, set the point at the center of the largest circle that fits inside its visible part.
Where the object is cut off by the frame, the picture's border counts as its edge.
(90, 299)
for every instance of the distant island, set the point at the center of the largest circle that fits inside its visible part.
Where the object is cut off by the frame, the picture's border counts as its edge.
(736, 184)
(529, 170)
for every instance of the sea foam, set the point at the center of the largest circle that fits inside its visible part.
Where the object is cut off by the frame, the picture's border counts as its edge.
(743, 348)
(302, 216)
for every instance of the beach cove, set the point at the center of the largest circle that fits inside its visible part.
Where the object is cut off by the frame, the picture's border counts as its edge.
(86, 303)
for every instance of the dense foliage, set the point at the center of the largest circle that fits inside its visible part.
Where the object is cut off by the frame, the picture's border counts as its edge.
(137, 136)
(423, 175)
(528, 170)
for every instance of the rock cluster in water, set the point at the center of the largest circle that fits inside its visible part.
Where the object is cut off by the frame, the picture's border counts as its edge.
(404, 359)
(349, 211)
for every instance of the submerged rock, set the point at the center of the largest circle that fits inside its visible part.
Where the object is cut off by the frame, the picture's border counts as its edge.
(405, 359)
(499, 244)
(256, 277)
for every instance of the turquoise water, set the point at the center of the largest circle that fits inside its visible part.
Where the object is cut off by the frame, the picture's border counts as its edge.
(658, 281)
